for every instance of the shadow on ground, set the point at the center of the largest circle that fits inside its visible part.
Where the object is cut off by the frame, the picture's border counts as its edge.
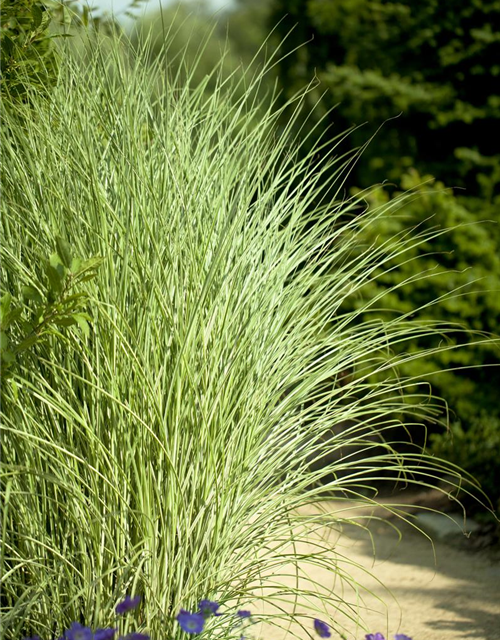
(449, 592)
(429, 592)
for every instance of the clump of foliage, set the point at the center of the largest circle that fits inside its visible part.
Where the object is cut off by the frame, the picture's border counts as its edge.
(474, 445)
(461, 269)
(78, 631)
(458, 257)
(30, 31)
(28, 57)
(432, 62)
(171, 451)
(44, 307)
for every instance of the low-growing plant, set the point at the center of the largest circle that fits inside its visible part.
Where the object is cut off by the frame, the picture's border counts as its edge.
(78, 631)
(173, 451)
(191, 623)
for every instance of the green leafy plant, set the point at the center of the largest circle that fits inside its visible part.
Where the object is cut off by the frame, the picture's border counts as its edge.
(28, 57)
(30, 31)
(474, 446)
(46, 307)
(425, 66)
(461, 269)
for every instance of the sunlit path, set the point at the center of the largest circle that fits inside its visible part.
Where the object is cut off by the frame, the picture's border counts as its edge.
(454, 595)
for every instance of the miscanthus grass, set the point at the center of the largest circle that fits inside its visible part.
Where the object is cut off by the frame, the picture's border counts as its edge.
(171, 451)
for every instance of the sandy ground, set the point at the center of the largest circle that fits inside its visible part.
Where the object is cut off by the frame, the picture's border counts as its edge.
(426, 592)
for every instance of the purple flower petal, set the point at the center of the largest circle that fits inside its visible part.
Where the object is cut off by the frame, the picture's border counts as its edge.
(208, 608)
(375, 636)
(190, 622)
(78, 632)
(104, 634)
(321, 628)
(243, 613)
(401, 636)
(127, 604)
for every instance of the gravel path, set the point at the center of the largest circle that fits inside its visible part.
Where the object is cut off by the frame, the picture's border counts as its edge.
(450, 595)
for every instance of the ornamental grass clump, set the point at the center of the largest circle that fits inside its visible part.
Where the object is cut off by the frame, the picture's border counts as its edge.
(222, 387)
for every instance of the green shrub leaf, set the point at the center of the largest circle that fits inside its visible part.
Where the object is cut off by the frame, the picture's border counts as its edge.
(4, 341)
(30, 293)
(64, 251)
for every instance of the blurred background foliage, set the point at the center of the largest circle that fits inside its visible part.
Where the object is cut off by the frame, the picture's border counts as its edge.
(197, 38)
(29, 52)
(423, 80)
(27, 57)
(433, 64)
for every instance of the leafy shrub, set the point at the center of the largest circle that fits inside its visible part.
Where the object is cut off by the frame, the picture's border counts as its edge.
(474, 446)
(46, 306)
(427, 64)
(28, 57)
(456, 263)
(31, 30)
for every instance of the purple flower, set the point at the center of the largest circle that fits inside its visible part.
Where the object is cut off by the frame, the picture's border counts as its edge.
(128, 604)
(208, 608)
(135, 636)
(401, 636)
(374, 636)
(322, 629)
(190, 622)
(242, 613)
(78, 632)
(104, 634)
